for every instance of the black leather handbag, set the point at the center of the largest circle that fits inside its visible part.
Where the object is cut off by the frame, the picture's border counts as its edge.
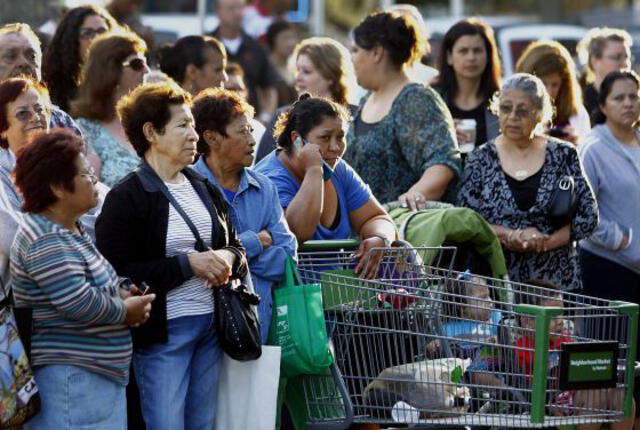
(236, 321)
(563, 202)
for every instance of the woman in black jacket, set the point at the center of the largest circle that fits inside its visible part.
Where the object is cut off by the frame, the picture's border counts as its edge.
(144, 231)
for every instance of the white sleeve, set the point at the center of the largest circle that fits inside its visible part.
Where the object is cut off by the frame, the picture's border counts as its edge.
(581, 123)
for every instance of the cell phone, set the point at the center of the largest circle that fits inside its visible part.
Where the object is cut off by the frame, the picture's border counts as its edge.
(146, 289)
(327, 171)
(558, 132)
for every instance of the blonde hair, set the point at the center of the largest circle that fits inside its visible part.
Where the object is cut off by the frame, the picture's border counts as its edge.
(545, 57)
(331, 59)
(593, 44)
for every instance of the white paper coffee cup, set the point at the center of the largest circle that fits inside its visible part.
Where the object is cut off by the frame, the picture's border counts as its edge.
(467, 128)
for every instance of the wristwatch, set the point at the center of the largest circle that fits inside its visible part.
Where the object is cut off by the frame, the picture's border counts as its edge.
(387, 242)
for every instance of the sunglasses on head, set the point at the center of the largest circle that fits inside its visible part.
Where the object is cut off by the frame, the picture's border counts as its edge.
(136, 64)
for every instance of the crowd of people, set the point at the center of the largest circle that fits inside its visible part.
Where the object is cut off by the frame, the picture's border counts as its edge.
(216, 161)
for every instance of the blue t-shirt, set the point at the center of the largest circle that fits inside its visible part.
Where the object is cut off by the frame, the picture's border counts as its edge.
(352, 192)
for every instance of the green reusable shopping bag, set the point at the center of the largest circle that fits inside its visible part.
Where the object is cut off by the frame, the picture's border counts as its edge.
(298, 327)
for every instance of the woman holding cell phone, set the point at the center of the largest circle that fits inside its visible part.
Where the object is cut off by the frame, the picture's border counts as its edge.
(469, 76)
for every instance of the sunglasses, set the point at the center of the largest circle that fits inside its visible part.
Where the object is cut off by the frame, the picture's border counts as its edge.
(26, 115)
(520, 113)
(137, 64)
(90, 33)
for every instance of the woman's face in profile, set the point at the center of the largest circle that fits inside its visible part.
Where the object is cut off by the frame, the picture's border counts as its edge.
(622, 105)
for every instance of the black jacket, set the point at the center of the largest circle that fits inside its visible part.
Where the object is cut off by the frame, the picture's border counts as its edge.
(131, 233)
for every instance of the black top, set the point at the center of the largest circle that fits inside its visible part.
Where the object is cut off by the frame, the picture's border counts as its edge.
(525, 192)
(590, 99)
(478, 114)
(258, 71)
(131, 232)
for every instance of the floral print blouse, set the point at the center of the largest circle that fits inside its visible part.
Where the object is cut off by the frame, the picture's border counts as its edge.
(117, 161)
(417, 133)
(485, 190)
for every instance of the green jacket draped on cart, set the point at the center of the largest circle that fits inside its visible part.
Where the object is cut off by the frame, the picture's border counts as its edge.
(451, 225)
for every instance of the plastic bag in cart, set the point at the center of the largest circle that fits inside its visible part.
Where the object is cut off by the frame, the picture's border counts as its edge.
(433, 385)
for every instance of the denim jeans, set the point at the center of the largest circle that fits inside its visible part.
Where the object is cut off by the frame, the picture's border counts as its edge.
(76, 398)
(178, 381)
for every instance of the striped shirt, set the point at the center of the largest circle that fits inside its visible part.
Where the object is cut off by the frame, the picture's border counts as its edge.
(192, 297)
(78, 315)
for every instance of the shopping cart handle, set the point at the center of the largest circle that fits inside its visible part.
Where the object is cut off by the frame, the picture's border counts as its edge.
(328, 245)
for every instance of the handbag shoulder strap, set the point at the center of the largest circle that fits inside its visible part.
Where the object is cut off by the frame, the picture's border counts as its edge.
(200, 245)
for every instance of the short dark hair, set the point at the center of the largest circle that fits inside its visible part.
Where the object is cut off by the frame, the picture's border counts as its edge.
(398, 34)
(174, 58)
(275, 29)
(10, 90)
(490, 79)
(214, 109)
(598, 117)
(48, 160)
(305, 114)
(149, 103)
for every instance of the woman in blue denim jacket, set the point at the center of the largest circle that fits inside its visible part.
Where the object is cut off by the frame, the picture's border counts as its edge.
(226, 146)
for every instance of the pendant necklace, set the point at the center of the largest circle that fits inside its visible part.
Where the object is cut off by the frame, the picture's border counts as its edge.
(521, 174)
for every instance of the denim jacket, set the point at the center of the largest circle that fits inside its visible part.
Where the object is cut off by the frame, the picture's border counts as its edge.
(256, 207)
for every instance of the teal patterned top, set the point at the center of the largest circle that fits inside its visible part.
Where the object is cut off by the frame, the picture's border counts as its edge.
(117, 161)
(417, 133)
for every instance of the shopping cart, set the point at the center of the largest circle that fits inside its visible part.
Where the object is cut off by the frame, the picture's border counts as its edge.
(399, 360)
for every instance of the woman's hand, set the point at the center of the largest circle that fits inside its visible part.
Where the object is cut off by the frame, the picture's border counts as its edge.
(265, 238)
(412, 199)
(310, 156)
(212, 266)
(368, 262)
(138, 309)
(532, 240)
(570, 135)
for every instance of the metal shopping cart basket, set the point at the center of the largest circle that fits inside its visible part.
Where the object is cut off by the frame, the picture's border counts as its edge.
(422, 345)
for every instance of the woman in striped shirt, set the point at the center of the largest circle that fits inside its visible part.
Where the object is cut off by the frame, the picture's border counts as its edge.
(81, 346)
(143, 234)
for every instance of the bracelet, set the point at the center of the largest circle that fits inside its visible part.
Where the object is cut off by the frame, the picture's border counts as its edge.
(387, 242)
(510, 235)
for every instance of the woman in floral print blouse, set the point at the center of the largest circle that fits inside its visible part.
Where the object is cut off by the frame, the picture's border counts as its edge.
(511, 181)
(402, 141)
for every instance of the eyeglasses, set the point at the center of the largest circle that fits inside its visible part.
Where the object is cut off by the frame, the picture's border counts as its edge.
(617, 58)
(91, 175)
(26, 115)
(137, 64)
(520, 113)
(90, 33)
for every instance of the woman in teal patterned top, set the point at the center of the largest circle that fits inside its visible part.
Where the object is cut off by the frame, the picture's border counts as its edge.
(116, 65)
(402, 140)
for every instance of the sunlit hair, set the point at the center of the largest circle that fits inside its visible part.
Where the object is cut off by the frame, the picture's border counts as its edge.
(305, 114)
(546, 57)
(534, 89)
(149, 103)
(331, 59)
(214, 109)
(398, 33)
(593, 44)
(10, 90)
(101, 75)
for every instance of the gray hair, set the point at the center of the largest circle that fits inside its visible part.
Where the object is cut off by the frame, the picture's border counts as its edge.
(534, 89)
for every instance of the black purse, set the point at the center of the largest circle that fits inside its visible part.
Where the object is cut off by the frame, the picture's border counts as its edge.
(235, 319)
(563, 202)
(237, 324)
